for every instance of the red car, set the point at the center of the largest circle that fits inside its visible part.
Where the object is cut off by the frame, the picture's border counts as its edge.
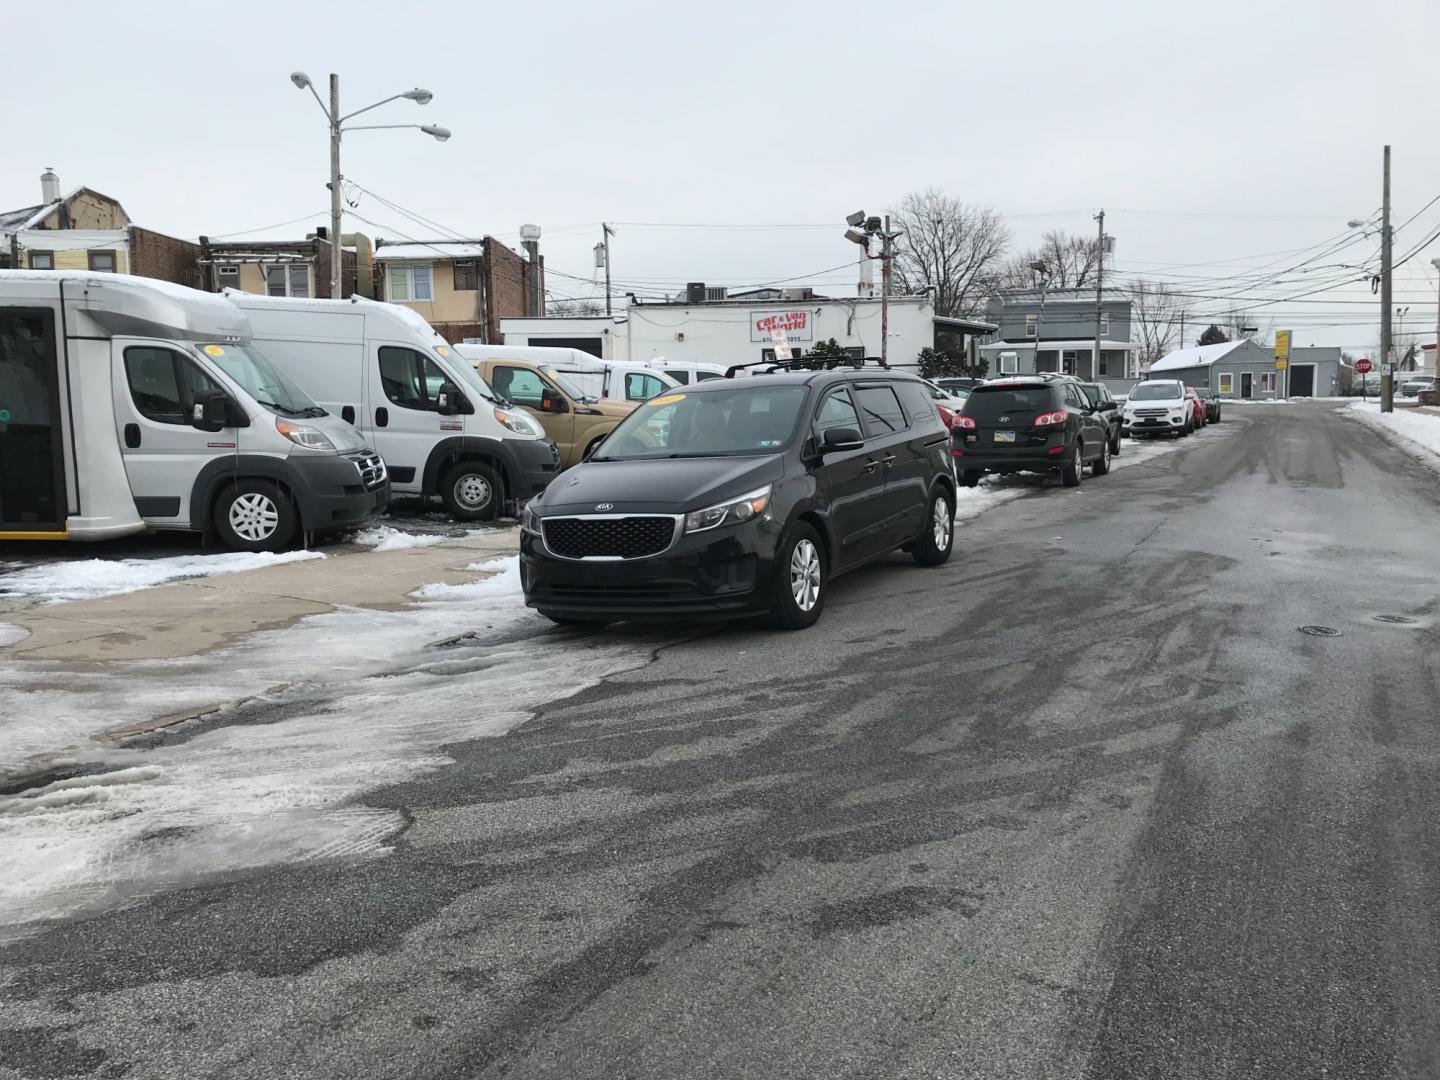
(1197, 407)
(948, 403)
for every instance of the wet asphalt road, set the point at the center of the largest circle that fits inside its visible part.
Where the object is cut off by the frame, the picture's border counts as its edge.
(1082, 803)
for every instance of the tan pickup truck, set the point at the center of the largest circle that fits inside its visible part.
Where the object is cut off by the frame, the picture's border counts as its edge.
(574, 421)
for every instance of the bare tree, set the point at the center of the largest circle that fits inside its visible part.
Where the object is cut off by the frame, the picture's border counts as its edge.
(950, 247)
(1073, 262)
(566, 306)
(1154, 319)
(1245, 326)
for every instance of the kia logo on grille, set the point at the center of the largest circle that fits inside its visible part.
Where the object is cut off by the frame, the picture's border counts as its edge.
(602, 507)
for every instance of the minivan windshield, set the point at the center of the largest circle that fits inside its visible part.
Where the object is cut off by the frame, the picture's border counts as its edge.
(739, 420)
(1156, 391)
(261, 380)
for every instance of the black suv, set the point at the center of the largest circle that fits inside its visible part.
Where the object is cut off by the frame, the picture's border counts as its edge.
(1103, 402)
(743, 496)
(1030, 423)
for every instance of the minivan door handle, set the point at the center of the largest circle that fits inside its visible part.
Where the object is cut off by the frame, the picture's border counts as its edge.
(888, 460)
(871, 465)
(132, 436)
(382, 416)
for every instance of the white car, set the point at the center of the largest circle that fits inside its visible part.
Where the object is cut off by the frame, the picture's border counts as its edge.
(1157, 407)
(1416, 387)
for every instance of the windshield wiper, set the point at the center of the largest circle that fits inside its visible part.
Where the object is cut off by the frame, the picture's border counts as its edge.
(283, 408)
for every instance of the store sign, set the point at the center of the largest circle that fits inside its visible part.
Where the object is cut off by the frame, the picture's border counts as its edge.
(798, 325)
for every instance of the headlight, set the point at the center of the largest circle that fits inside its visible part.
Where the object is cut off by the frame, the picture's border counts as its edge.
(529, 522)
(519, 421)
(735, 511)
(312, 438)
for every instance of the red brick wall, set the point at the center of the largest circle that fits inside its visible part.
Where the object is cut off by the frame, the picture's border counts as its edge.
(507, 275)
(155, 255)
(322, 272)
(456, 332)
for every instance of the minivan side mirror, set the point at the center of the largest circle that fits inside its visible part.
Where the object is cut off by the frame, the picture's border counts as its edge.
(552, 402)
(842, 438)
(212, 410)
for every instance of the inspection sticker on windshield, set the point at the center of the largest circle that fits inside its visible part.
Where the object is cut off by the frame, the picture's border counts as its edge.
(668, 399)
(214, 350)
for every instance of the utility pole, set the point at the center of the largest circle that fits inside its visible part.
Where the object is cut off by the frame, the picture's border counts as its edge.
(1182, 329)
(608, 231)
(1387, 376)
(337, 250)
(886, 240)
(1099, 287)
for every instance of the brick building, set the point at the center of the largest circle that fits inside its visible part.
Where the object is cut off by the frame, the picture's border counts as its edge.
(463, 288)
(275, 267)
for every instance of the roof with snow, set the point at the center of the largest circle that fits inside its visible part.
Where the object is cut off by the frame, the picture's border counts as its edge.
(27, 217)
(1195, 356)
(437, 249)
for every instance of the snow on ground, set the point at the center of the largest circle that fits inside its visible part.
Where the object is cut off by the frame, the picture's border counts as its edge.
(88, 578)
(1136, 451)
(372, 701)
(387, 538)
(10, 634)
(1416, 428)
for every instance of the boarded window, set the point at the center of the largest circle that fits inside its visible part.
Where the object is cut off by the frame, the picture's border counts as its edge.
(467, 275)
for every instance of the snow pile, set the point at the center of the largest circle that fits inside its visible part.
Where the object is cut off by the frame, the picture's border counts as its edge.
(386, 538)
(86, 579)
(10, 634)
(1138, 451)
(1420, 430)
(972, 502)
(348, 702)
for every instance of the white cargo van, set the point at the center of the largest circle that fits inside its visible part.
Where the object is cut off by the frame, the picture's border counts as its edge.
(685, 372)
(128, 404)
(384, 369)
(612, 380)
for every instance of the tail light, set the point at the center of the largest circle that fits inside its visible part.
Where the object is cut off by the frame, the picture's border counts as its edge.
(946, 416)
(965, 423)
(1052, 419)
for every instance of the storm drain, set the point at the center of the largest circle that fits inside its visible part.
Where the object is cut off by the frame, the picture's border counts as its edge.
(1401, 619)
(1320, 631)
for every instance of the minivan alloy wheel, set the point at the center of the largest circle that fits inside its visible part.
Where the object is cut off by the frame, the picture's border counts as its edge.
(254, 516)
(805, 575)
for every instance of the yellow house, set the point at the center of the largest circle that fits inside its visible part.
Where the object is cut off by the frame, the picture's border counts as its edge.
(83, 230)
(463, 288)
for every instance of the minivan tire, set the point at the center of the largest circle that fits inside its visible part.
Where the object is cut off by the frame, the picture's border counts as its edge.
(471, 492)
(799, 548)
(255, 515)
(1073, 470)
(927, 550)
(1102, 463)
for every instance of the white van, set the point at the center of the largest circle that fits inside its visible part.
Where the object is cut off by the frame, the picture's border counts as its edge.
(613, 380)
(686, 373)
(383, 368)
(128, 404)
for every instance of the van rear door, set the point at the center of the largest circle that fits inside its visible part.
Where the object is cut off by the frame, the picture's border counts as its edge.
(32, 472)
(154, 384)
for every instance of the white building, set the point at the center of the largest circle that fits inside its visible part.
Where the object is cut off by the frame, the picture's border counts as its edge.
(739, 331)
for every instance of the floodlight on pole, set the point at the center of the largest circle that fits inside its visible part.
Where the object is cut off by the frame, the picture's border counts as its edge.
(855, 236)
(856, 219)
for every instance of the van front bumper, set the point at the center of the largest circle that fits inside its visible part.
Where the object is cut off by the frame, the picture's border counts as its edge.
(531, 464)
(334, 492)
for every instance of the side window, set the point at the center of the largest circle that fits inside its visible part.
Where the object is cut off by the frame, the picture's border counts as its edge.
(682, 377)
(640, 387)
(836, 411)
(519, 385)
(163, 383)
(400, 377)
(881, 409)
(701, 376)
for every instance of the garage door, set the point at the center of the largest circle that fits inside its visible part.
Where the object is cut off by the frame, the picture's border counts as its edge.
(1302, 380)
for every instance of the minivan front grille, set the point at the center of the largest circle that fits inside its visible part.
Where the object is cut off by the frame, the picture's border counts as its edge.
(605, 536)
(372, 468)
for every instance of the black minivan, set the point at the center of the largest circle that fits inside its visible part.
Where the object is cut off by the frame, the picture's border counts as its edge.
(743, 496)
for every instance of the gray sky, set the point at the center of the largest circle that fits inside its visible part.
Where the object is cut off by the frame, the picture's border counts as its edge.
(1208, 132)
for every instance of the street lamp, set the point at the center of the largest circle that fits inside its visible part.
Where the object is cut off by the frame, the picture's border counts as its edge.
(337, 127)
(872, 226)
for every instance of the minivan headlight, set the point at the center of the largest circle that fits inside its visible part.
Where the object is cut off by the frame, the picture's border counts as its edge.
(306, 435)
(529, 522)
(519, 421)
(733, 512)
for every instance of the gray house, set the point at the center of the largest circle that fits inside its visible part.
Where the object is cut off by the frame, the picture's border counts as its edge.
(1054, 330)
(1243, 369)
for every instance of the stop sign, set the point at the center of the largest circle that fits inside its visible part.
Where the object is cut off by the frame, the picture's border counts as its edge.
(1362, 366)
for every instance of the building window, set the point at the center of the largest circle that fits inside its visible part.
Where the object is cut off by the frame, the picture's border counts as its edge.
(1067, 361)
(467, 275)
(287, 279)
(228, 276)
(1032, 323)
(409, 283)
(1009, 363)
(1104, 363)
(102, 262)
(1227, 383)
(1104, 323)
(1267, 381)
(42, 260)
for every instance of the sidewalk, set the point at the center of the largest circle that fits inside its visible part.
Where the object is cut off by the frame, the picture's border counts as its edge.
(189, 618)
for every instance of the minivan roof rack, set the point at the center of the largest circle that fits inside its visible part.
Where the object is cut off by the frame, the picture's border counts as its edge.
(808, 363)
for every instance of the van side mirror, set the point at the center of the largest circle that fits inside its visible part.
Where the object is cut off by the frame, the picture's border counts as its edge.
(448, 400)
(842, 438)
(552, 402)
(212, 411)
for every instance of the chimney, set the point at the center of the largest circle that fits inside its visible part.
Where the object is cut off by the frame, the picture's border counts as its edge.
(49, 186)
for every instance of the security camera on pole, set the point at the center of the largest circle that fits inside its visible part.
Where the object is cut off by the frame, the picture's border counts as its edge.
(336, 122)
(861, 230)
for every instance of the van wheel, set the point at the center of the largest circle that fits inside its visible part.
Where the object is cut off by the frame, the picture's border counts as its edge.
(1074, 469)
(255, 515)
(471, 492)
(1102, 463)
(970, 477)
(933, 547)
(800, 582)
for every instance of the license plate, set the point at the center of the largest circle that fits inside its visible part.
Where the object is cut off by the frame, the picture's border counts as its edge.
(1004, 436)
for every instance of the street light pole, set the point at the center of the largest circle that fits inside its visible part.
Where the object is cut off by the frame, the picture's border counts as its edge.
(886, 238)
(337, 250)
(1436, 356)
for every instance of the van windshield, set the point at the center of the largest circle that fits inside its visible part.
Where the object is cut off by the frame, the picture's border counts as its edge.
(469, 376)
(261, 380)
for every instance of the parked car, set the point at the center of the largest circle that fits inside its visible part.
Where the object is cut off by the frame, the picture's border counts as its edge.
(1197, 407)
(1413, 388)
(1211, 401)
(1104, 403)
(171, 419)
(606, 380)
(947, 402)
(1157, 407)
(1030, 423)
(743, 496)
(955, 382)
(686, 373)
(578, 422)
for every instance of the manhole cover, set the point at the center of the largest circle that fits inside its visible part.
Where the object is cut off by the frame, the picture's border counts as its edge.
(1320, 631)
(1401, 619)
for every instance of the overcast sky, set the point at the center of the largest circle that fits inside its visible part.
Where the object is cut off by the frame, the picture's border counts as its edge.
(1210, 133)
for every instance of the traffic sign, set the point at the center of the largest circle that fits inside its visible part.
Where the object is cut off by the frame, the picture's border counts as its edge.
(1281, 365)
(1364, 367)
(1282, 346)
